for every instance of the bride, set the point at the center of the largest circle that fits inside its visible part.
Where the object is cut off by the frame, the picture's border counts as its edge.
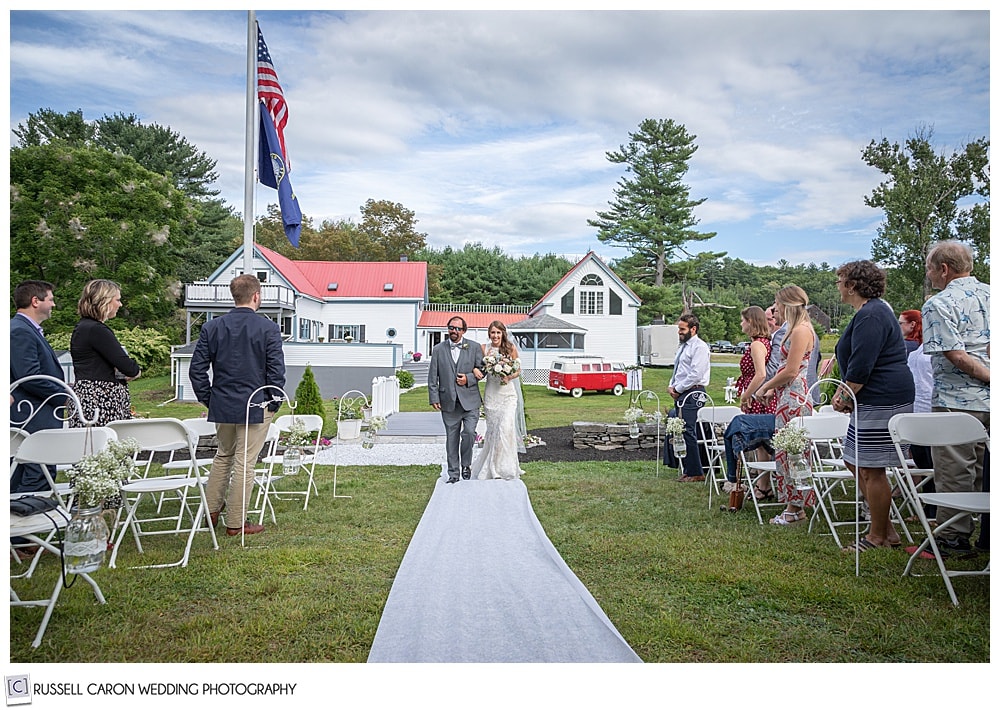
(504, 412)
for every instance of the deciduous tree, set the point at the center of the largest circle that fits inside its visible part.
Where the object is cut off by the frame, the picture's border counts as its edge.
(79, 213)
(921, 201)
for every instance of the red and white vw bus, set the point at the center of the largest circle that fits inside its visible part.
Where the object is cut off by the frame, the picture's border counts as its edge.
(572, 374)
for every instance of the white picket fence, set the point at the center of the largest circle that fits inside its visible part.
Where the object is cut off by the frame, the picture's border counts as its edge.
(385, 396)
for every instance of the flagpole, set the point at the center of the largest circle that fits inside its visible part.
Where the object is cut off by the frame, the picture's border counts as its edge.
(251, 115)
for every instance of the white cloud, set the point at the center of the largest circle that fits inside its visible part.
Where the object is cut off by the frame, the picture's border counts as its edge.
(493, 126)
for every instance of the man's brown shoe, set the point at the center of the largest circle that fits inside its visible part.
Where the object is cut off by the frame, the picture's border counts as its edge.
(214, 517)
(690, 479)
(247, 529)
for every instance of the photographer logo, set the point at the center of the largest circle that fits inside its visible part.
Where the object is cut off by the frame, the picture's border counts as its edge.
(18, 689)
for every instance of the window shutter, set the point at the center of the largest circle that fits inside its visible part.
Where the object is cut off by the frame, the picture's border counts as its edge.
(615, 305)
(567, 301)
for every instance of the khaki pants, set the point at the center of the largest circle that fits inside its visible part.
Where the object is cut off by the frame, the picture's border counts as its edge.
(233, 469)
(959, 469)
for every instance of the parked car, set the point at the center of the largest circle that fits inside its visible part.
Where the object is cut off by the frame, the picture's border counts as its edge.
(741, 347)
(721, 346)
(573, 374)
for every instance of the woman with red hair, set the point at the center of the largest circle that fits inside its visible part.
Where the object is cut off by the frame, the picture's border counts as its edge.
(912, 326)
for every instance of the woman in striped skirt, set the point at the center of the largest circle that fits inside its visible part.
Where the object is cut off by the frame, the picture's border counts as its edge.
(872, 358)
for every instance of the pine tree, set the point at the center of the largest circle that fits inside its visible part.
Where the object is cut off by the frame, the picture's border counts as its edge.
(308, 399)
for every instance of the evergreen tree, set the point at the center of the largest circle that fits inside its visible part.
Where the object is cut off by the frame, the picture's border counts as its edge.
(652, 215)
(308, 399)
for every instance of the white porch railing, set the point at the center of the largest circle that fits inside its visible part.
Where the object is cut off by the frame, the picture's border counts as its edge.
(385, 396)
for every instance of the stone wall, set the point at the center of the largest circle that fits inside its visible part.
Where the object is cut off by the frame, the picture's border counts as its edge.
(608, 437)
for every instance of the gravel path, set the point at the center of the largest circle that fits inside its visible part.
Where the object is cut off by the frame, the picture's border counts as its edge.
(558, 447)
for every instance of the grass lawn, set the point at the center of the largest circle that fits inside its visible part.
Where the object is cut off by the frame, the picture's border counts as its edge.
(682, 583)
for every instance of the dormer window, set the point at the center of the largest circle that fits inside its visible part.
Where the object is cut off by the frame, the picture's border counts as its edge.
(332, 286)
(387, 287)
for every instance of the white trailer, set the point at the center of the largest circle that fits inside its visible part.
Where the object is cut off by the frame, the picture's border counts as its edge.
(657, 344)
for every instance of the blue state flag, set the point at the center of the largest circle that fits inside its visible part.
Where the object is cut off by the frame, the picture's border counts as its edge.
(271, 171)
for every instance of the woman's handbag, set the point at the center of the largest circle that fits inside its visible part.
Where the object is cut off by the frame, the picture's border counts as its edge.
(736, 498)
(737, 494)
(30, 505)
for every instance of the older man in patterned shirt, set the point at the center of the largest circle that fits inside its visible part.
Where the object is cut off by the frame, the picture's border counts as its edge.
(957, 337)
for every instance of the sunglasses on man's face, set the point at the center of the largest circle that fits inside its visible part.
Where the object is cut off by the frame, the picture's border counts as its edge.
(455, 327)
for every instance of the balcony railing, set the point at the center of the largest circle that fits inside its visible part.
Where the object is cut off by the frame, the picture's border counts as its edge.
(218, 295)
(474, 308)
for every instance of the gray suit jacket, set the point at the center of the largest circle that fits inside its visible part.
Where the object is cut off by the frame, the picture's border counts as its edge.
(441, 386)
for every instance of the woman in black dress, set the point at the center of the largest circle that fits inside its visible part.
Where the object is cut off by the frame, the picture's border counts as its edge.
(101, 366)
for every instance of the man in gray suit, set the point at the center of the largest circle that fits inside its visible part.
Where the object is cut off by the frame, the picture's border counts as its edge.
(453, 389)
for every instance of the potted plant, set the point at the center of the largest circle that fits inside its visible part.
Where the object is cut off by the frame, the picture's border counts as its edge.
(417, 356)
(350, 418)
(95, 479)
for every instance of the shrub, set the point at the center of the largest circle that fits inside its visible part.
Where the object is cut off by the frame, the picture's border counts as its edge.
(405, 379)
(308, 399)
(148, 347)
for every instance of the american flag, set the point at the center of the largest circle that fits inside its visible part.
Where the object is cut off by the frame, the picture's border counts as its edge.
(270, 94)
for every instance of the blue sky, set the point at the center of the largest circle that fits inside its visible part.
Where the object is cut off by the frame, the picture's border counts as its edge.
(493, 126)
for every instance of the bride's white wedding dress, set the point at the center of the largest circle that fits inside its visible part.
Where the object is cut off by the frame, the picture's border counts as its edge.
(498, 458)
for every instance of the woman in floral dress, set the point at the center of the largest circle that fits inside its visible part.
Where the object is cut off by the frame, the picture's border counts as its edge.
(789, 390)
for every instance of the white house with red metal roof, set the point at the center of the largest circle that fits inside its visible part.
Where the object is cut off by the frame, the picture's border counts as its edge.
(323, 301)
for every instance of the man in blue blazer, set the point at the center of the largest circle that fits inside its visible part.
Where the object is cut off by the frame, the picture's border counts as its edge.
(34, 404)
(244, 351)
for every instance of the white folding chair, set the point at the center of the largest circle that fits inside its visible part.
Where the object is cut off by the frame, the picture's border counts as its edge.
(39, 529)
(754, 471)
(162, 435)
(200, 428)
(827, 473)
(314, 425)
(939, 429)
(265, 476)
(712, 422)
(51, 448)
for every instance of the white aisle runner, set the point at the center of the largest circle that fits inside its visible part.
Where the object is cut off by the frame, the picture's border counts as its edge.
(480, 583)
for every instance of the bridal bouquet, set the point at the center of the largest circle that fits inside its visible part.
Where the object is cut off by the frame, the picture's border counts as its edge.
(500, 366)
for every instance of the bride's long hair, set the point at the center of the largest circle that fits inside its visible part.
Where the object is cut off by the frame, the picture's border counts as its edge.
(506, 347)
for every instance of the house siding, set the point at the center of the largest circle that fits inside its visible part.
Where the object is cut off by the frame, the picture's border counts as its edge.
(338, 367)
